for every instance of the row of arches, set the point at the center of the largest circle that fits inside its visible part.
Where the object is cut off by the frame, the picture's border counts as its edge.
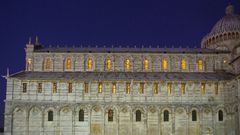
(221, 37)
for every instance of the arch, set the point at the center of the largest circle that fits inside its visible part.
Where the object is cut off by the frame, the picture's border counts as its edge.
(110, 115)
(50, 115)
(194, 115)
(220, 115)
(165, 115)
(81, 115)
(138, 115)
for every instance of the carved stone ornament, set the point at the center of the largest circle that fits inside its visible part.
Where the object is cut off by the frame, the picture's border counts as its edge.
(124, 110)
(152, 109)
(96, 109)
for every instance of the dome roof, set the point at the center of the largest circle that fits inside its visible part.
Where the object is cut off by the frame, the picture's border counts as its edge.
(227, 28)
(230, 22)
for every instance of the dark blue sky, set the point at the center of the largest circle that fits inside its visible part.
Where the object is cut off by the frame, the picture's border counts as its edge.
(73, 22)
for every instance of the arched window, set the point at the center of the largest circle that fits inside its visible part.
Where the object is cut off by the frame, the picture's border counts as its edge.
(183, 87)
(68, 63)
(169, 88)
(127, 64)
(166, 115)
(109, 64)
(81, 115)
(29, 64)
(203, 88)
(184, 64)
(165, 64)
(146, 64)
(50, 115)
(194, 115)
(138, 115)
(48, 64)
(220, 115)
(89, 64)
(100, 87)
(200, 65)
(114, 88)
(110, 115)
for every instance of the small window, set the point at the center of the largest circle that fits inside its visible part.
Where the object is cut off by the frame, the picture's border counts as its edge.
(183, 87)
(194, 115)
(165, 64)
(127, 64)
(114, 88)
(169, 88)
(203, 88)
(68, 63)
(216, 88)
(100, 87)
(69, 87)
(109, 64)
(39, 87)
(48, 64)
(50, 115)
(141, 88)
(29, 64)
(89, 64)
(146, 64)
(200, 65)
(220, 115)
(24, 87)
(81, 115)
(138, 115)
(110, 115)
(166, 116)
(54, 87)
(86, 87)
(184, 64)
(155, 88)
(128, 88)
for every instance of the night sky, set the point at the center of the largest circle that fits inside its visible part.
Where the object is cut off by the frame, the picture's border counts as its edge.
(170, 23)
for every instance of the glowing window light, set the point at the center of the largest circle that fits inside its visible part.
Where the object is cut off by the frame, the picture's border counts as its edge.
(203, 88)
(155, 88)
(100, 87)
(128, 88)
(109, 64)
(114, 88)
(165, 64)
(90, 64)
(69, 64)
(200, 65)
(169, 88)
(146, 64)
(127, 64)
(184, 64)
(183, 86)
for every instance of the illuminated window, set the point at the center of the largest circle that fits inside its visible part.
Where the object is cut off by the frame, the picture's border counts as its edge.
(165, 64)
(166, 116)
(128, 88)
(114, 88)
(169, 88)
(203, 88)
(109, 64)
(86, 87)
(184, 64)
(24, 87)
(69, 87)
(141, 88)
(183, 86)
(81, 115)
(194, 115)
(155, 88)
(68, 63)
(138, 115)
(110, 115)
(220, 115)
(90, 64)
(146, 64)
(100, 87)
(39, 88)
(29, 64)
(127, 64)
(50, 115)
(200, 65)
(54, 87)
(216, 88)
(48, 64)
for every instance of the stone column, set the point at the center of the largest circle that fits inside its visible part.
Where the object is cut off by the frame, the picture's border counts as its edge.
(173, 120)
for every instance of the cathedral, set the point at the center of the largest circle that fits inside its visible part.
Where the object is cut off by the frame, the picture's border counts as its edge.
(129, 91)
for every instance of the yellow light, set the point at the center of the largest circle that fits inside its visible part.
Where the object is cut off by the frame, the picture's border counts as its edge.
(183, 85)
(155, 88)
(200, 65)
(109, 64)
(184, 64)
(128, 88)
(100, 87)
(165, 64)
(146, 64)
(169, 87)
(203, 88)
(90, 63)
(69, 63)
(114, 87)
(224, 61)
(127, 64)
